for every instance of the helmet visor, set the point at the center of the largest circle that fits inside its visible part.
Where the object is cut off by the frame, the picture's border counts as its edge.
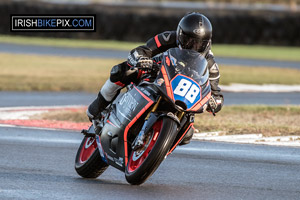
(188, 42)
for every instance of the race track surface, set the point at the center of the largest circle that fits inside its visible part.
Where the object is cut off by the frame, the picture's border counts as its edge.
(12, 99)
(39, 164)
(103, 53)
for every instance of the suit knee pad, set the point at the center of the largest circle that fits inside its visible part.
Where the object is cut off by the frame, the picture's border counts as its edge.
(110, 90)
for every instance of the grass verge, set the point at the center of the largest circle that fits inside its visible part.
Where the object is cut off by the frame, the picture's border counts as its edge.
(266, 120)
(258, 52)
(50, 73)
(239, 51)
(54, 73)
(69, 115)
(73, 43)
(258, 75)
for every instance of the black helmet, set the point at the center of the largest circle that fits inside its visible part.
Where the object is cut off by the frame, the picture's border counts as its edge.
(194, 31)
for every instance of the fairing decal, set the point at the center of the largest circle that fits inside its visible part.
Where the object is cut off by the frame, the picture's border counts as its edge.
(150, 102)
(186, 90)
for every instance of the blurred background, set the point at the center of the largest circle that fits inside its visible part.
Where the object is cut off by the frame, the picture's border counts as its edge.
(271, 22)
(256, 45)
(47, 79)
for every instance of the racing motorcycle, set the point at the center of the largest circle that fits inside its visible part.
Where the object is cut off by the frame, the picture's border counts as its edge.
(143, 125)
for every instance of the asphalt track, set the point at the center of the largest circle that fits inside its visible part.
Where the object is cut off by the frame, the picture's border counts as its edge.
(13, 99)
(103, 53)
(39, 164)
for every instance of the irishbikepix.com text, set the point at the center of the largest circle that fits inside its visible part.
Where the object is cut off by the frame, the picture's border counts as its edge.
(53, 23)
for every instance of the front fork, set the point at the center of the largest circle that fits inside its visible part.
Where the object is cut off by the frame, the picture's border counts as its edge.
(151, 118)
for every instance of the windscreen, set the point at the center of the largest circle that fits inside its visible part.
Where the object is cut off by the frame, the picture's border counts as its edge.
(189, 63)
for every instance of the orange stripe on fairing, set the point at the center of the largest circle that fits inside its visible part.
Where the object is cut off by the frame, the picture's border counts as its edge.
(168, 61)
(197, 106)
(167, 82)
(157, 41)
(180, 139)
(132, 122)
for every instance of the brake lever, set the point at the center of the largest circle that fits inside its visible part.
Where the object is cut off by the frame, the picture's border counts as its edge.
(213, 112)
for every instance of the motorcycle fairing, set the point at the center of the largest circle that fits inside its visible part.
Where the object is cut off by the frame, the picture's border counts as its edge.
(191, 68)
(100, 148)
(167, 87)
(126, 110)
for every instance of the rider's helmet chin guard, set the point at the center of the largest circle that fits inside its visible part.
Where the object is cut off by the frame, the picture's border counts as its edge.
(194, 32)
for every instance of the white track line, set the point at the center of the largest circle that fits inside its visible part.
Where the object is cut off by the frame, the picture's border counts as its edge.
(236, 87)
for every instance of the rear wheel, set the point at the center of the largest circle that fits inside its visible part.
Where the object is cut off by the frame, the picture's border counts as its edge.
(143, 162)
(88, 162)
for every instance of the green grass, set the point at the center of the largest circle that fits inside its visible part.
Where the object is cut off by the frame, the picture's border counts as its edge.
(259, 119)
(241, 51)
(259, 75)
(54, 73)
(258, 52)
(74, 43)
(267, 120)
(50, 73)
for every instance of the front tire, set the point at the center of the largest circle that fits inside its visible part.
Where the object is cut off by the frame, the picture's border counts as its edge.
(88, 162)
(141, 165)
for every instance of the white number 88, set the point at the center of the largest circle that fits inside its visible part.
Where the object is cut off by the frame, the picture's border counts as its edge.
(188, 90)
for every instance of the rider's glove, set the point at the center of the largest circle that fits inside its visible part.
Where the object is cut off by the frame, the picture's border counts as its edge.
(215, 104)
(133, 58)
(145, 63)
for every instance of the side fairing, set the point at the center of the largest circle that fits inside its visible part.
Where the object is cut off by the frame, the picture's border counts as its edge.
(183, 79)
(126, 110)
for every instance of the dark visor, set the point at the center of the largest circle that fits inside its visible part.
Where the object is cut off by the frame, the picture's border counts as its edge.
(188, 42)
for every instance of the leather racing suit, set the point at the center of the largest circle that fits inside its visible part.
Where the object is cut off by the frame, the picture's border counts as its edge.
(154, 46)
(124, 73)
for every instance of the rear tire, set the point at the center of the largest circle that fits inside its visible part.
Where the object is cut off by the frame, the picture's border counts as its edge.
(88, 162)
(138, 171)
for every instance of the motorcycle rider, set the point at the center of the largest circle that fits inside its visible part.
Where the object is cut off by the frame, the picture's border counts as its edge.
(194, 32)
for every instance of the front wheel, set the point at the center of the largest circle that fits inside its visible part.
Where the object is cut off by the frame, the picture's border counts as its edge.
(144, 161)
(88, 162)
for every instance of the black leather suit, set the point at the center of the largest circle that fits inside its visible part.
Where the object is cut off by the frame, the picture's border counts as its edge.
(153, 47)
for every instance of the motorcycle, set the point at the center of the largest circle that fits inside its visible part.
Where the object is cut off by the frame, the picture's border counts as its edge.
(144, 125)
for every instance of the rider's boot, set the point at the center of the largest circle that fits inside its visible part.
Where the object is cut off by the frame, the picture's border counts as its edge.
(96, 107)
(106, 95)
